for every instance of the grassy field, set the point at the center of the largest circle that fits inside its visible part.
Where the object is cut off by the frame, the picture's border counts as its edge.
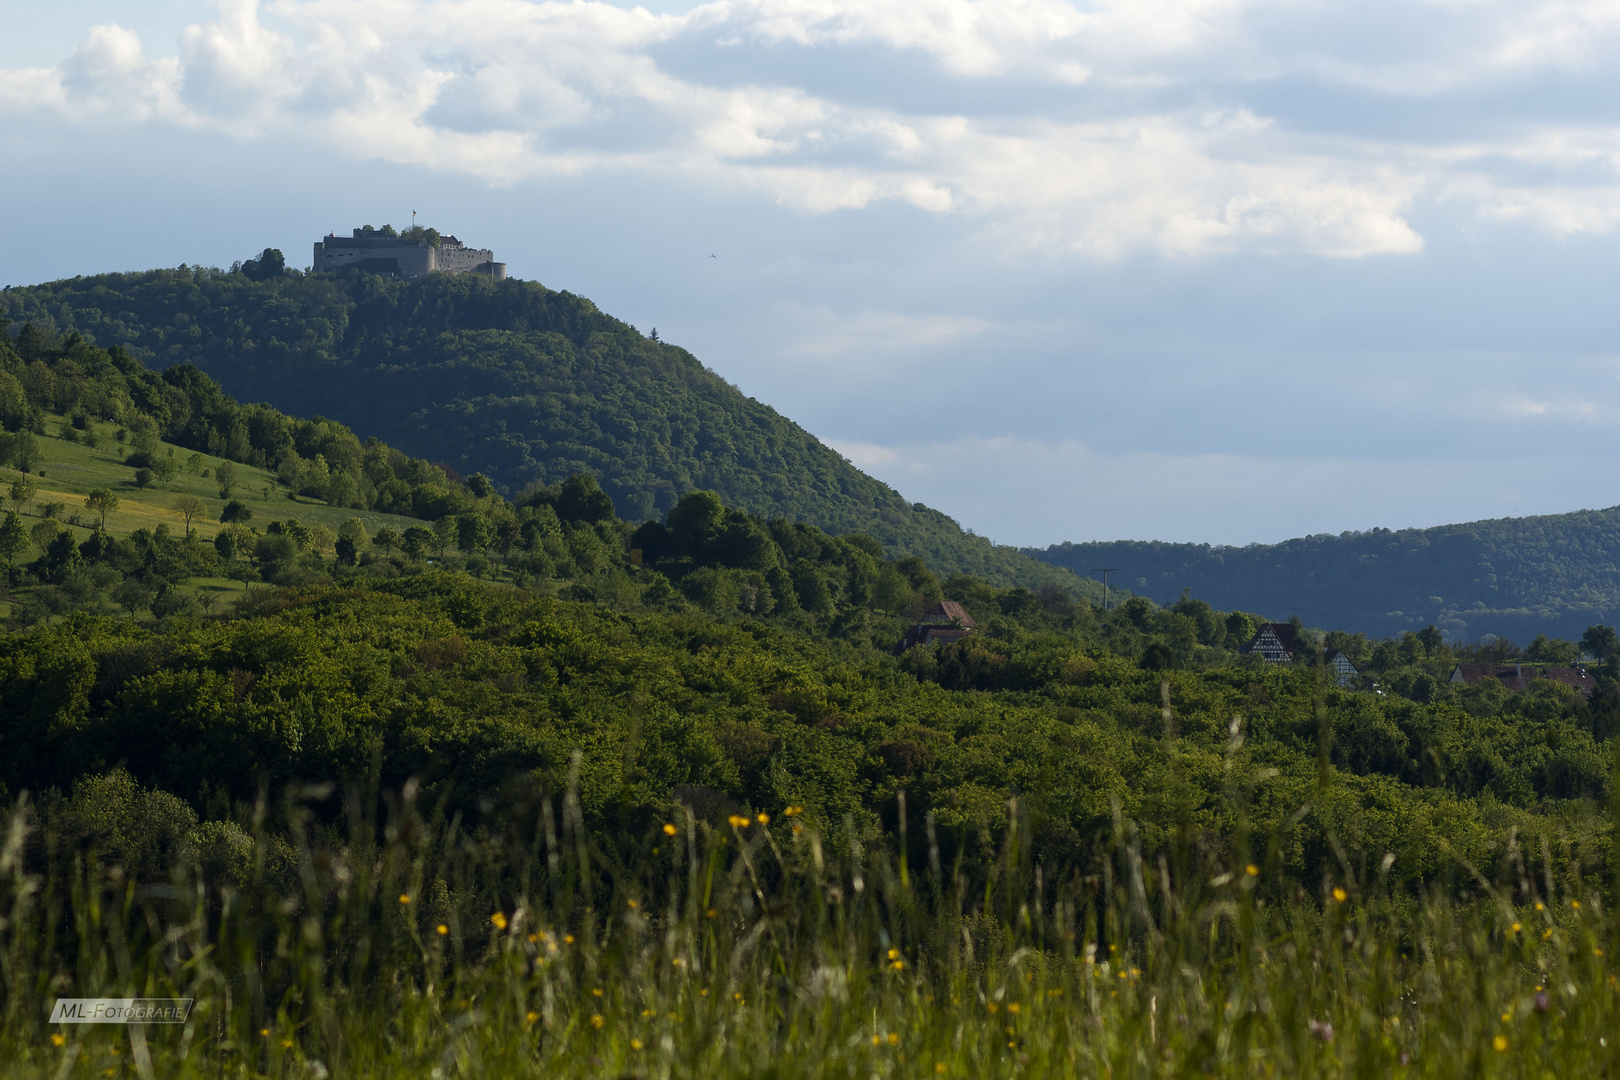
(68, 471)
(358, 946)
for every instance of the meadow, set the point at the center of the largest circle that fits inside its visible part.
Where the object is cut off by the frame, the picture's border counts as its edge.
(355, 932)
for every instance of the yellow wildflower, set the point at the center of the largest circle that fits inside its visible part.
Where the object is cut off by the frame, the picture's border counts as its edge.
(1500, 1042)
(441, 929)
(1252, 870)
(404, 898)
(669, 830)
(1340, 895)
(499, 920)
(597, 1021)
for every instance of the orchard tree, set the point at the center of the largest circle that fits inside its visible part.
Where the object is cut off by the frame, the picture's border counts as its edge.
(103, 502)
(22, 489)
(191, 508)
(13, 538)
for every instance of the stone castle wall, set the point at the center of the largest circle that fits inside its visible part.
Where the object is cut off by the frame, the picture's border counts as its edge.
(394, 257)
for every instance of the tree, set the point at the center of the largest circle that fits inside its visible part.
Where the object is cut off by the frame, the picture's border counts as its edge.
(1546, 650)
(132, 594)
(582, 499)
(294, 530)
(274, 553)
(235, 512)
(25, 452)
(60, 559)
(290, 472)
(271, 263)
(43, 533)
(444, 534)
(696, 520)
(480, 486)
(194, 464)
(417, 541)
(191, 508)
(103, 502)
(143, 478)
(472, 532)
(387, 539)
(1600, 641)
(164, 468)
(22, 489)
(13, 538)
(320, 538)
(225, 476)
(1432, 640)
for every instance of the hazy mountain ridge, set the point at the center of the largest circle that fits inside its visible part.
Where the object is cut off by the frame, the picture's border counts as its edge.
(1513, 577)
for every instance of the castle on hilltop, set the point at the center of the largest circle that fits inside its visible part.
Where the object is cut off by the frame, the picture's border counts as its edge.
(415, 254)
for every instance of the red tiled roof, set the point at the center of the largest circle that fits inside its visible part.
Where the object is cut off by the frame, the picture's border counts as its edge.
(1517, 677)
(948, 611)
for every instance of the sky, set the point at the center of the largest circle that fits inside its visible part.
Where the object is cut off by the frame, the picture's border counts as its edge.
(1227, 271)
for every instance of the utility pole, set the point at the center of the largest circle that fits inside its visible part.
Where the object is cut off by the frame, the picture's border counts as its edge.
(1104, 571)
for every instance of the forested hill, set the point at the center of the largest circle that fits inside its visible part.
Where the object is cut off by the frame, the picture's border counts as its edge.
(1513, 577)
(513, 380)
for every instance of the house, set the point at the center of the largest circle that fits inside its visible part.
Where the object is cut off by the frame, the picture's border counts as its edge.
(1344, 672)
(1274, 642)
(945, 621)
(1518, 677)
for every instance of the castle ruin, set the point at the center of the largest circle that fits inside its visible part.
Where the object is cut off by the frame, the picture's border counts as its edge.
(380, 252)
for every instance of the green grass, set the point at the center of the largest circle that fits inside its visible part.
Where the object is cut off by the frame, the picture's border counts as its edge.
(71, 470)
(356, 946)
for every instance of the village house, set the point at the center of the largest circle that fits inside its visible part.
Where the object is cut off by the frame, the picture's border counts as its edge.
(945, 621)
(1273, 642)
(1518, 677)
(1344, 672)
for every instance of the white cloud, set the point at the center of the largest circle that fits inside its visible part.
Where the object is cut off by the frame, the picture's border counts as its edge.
(1109, 128)
(862, 455)
(826, 334)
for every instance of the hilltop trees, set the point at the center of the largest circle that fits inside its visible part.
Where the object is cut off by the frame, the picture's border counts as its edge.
(271, 263)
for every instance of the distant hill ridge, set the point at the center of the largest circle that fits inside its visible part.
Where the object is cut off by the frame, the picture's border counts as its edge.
(522, 383)
(1514, 577)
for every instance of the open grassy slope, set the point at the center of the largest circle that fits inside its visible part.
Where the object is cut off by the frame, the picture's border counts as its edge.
(70, 470)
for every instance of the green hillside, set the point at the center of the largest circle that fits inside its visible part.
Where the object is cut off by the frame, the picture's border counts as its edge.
(511, 379)
(1514, 577)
